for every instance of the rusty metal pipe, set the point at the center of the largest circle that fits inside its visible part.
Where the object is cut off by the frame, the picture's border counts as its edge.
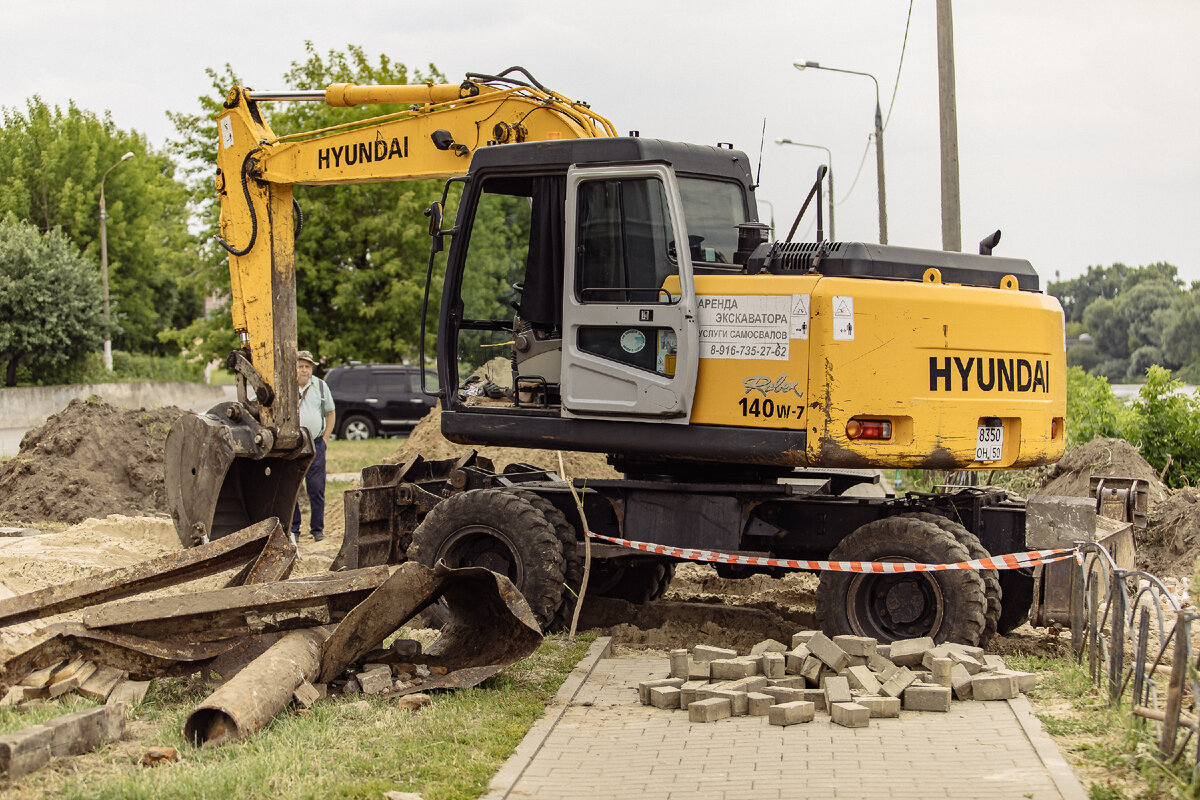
(254, 696)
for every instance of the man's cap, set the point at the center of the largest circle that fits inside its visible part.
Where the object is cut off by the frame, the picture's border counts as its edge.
(306, 355)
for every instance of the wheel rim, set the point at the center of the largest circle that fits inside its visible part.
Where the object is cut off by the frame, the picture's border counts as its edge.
(890, 607)
(356, 430)
(483, 546)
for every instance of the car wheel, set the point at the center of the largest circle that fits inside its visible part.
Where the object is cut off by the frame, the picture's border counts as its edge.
(357, 428)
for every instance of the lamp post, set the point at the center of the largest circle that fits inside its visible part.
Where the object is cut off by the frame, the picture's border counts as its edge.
(829, 163)
(803, 65)
(108, 365)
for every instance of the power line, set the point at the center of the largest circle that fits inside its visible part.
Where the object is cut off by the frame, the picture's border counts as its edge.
(854, 183)
(903, 47)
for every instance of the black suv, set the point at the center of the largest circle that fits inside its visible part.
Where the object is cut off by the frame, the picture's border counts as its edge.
(379, 399)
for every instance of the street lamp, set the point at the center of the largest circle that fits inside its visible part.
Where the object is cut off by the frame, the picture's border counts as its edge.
(104, 263)
(803, 65)
(829, 162)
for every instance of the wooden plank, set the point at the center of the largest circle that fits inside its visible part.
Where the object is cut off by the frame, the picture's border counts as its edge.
(131, 692)
(101, 683)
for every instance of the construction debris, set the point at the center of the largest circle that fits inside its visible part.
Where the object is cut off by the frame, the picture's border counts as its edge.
(852, 678)
(159, 755)
(69, 735)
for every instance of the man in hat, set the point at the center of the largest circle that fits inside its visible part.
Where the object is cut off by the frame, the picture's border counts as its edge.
(317, 416)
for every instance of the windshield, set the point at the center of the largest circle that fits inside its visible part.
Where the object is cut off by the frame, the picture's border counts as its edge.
(713, 210)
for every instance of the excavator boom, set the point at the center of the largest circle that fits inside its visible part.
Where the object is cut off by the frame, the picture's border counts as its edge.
(243, 461)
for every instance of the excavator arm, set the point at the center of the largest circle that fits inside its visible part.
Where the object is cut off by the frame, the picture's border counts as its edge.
(244, 461)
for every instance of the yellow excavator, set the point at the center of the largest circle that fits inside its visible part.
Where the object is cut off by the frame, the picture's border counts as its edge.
(748, 390)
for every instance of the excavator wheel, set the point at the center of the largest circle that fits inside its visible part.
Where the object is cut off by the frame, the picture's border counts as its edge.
(573, 569)
(946, 605)
(636, 583)
(991, 577)
(500, 531)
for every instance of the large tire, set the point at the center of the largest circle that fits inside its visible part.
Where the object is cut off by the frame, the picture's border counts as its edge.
(637, 583)
(946, 605)
(497, 530)
(572, 561)
(991, 577)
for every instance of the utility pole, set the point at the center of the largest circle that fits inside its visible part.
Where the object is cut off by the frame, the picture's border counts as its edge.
(951, 213)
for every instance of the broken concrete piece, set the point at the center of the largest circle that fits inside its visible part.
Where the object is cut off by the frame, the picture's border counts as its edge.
(159, 755)
(802, 638)
(376, 680)
(305, 695)
(412, 702)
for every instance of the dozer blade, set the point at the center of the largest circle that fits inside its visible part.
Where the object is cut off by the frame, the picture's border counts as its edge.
(223, 474)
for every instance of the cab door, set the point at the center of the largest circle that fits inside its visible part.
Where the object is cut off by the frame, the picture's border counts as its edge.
(630, 338)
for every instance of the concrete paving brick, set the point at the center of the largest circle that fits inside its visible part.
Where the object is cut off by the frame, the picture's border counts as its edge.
(773, 665)
(815, 696)
(739, 702)
(782, 694)
(802, 638)
(679, 663)
(768, 646)
(972, 664)
(837, 690)
(880, 706)
(699, 670)
(750, 684)
(898, 682)
(687, 692)
(726, 669)
(787, 682)
(665, 697)
(989, 686)
(863, 679)
(994, 661)
(792, 713)
(856, 645)
(927, 697)
(710, 710)
(810, 670)
(829, 653)
(909, 652)
(645, 686)
(960, 682)
(850, 715)
(942, 671)
(1026, 681)
(758, 703)
(704, 652)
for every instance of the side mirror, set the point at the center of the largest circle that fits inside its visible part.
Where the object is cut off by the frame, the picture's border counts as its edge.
(434, 212)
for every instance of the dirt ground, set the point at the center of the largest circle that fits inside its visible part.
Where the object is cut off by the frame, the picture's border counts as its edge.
(89, 460)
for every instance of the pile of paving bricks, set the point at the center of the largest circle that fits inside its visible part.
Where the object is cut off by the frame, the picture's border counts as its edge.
(852, 678)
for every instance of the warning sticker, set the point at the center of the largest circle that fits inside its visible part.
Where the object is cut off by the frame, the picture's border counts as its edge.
(843, 319)
(744, 326)
(226, 132)
(800, 316)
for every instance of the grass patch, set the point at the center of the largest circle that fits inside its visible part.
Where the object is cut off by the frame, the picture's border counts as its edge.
(345, 456)
(340, 748)
(1115, 754)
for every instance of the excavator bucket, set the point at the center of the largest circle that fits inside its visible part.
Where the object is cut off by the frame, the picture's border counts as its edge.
(223, 474)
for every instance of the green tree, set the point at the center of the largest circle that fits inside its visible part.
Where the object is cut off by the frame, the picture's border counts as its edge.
(50, 176)
(51, 303)
(362, 256)
(1165, 426)
(1181, 335)
(1092, 408)
(1077, 294)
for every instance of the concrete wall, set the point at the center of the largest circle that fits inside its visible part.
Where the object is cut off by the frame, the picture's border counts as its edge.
(28, 406)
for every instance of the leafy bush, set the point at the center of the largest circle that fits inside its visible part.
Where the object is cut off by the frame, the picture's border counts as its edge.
(1165, 426)
(1092, 408)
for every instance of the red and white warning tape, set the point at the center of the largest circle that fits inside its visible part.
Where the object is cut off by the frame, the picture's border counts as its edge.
(1031, 558)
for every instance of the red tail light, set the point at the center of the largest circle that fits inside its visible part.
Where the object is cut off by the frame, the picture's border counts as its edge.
(868, 429)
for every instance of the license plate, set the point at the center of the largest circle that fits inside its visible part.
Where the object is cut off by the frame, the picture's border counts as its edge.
(989, 444)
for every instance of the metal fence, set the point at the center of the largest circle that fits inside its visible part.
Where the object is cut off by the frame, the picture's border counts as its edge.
(1138, 642)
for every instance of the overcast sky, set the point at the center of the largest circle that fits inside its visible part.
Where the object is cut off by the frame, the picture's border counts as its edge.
(1077, 121)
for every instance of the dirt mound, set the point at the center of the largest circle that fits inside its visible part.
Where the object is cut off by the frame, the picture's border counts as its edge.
(89, 460)
(1172, 535)
(426, 439)
(1115, 457)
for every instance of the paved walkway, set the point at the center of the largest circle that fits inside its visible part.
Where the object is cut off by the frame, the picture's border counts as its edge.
(597, 742)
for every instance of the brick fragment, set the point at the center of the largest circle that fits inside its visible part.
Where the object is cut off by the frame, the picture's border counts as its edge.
(927, 697)
(993, 686)
(829, 653)
(850, 715)
(665, 697)
(645, 686)
(909, 652)
(895, 685)
(862, 679)
(880, 706)
(837, 690)
(791, 713)
(757, 704)
(376, 680)
(25, 751)
(710, 710)
(305, 695)
(856, 645)
(704, 652)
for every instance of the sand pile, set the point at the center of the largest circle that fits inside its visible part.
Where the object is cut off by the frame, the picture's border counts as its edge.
(89, 460)
(426, 439)
(1104, 457)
